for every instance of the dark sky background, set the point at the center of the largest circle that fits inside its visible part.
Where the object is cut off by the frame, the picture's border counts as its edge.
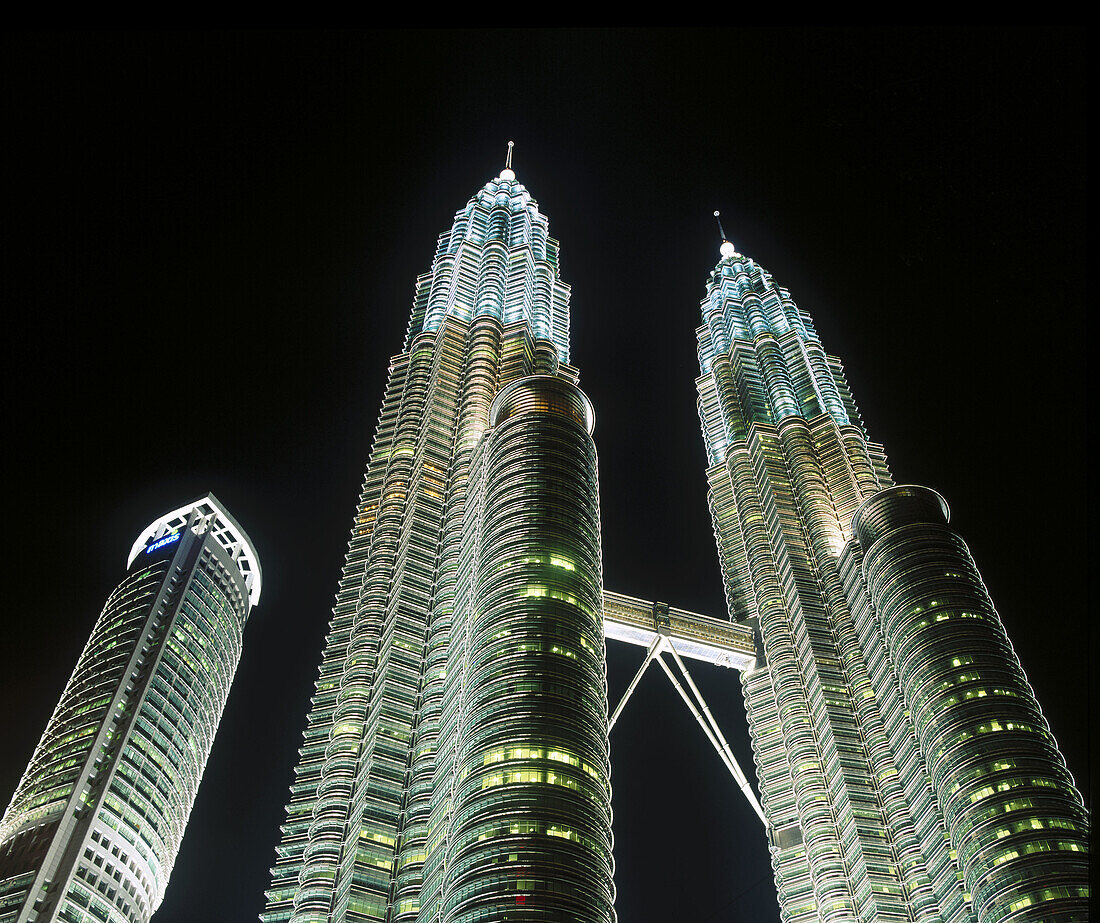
(209, 248)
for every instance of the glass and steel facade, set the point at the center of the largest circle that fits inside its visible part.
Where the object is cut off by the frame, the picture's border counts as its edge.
(906, 770)
(455, 762)
(96, 821)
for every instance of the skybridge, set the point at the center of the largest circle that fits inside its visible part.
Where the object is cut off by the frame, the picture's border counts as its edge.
(661, 629)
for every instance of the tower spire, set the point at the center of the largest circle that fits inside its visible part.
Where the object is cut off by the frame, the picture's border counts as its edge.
(508, 173)
(726, 249)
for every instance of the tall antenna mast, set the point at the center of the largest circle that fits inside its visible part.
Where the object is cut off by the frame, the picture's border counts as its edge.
(726, 248)
(719, 220)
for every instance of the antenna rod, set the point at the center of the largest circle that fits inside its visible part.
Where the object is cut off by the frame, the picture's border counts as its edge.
(719, 220)
(508, 162)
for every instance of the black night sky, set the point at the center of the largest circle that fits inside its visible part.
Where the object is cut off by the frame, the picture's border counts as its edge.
(209, 248)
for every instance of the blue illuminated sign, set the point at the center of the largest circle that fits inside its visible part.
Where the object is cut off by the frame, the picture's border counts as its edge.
(160, 543)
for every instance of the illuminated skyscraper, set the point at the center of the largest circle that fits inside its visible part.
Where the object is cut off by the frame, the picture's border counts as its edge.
(455, 764)
(906, 770)
(95, 824)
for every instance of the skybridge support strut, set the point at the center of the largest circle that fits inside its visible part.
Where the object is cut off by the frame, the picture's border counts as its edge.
(653, 651)
(696, 704)
(714, 733)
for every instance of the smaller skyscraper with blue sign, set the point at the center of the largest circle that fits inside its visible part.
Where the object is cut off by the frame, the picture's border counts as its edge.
(95, 824)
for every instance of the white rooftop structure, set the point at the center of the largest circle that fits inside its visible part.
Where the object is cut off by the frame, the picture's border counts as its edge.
(208, 515)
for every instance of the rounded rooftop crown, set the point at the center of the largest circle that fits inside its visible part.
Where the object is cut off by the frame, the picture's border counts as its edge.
(208, 515)
(542, 394)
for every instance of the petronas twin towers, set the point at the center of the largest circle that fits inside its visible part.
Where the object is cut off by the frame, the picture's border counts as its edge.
(455, 764)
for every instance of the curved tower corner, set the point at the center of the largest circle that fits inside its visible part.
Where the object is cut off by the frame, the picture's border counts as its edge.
(1017, 826)
(522, 788)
